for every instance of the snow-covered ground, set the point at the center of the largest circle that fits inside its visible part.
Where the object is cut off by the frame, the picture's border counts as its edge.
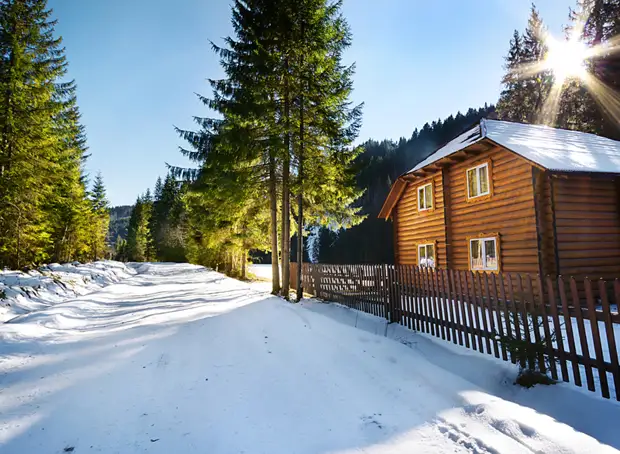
(261, 270)
(21, 292)
(182, 359)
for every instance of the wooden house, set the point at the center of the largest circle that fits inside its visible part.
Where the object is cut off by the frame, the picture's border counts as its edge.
(512, 197)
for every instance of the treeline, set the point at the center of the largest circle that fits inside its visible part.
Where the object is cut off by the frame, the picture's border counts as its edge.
(46, 210)
(157, 226)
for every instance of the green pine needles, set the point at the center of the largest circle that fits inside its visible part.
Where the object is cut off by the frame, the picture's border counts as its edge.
(278, 160)
(45, 210)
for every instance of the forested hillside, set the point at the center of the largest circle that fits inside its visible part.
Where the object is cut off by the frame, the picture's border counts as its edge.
(46, 209)
(119, 222)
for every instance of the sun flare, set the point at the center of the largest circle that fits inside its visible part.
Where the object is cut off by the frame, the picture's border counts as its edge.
(567, 59)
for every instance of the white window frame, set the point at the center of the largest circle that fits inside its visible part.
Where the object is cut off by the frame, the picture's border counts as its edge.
(478, 170)
(425, 246)
(424, 188)
(485, 267)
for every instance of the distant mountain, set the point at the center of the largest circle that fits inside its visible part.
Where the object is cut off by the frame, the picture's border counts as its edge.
(119, 221)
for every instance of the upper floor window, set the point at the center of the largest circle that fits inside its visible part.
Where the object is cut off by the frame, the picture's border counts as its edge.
(478, 181)
(425, 197)
(426, 255)
(483, 254)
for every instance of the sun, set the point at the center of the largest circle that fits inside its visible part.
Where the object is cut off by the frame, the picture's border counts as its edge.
(567, 59)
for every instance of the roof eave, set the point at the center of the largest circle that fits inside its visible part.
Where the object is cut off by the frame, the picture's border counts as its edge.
(393, 197)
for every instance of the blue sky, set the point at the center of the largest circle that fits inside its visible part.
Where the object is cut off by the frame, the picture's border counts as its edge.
(138, 64)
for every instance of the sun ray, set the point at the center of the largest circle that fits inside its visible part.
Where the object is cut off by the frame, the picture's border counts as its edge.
(606, 97)
(549, 111)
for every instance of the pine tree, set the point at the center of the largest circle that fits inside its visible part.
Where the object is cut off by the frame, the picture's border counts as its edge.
(167, 224)
(139, 242)
(326, 122)
(526, 83)
(510, 105)
(33, 100)
(100, 217)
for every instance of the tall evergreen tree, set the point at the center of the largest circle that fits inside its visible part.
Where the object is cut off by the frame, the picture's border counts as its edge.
(100, 217)
(33, 101)
(526, 83)
(139, 246)
(167, 223)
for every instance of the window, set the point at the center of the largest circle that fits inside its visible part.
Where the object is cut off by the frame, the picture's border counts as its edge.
(483, 254)
(478, 181)
(426, 255)
(425, 197)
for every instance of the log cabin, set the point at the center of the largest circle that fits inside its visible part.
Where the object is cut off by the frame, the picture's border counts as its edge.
(512, 197)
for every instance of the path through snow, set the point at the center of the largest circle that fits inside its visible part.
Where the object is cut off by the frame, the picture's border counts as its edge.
(181, 359)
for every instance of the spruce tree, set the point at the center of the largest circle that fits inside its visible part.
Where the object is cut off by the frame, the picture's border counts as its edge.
(326, 122)
(139, 246)
(100, 217)
(526, 83)
(33, 100)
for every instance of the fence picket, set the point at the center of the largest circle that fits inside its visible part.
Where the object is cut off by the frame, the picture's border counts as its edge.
(463, 305)
(515, 315)
(596, 337)
(609, 331)
(437, 304)
(456, 316)
(483, 314)
(583, 340)
(472, 311)
(489, 310)
(409, 299)
(498, 314)
(553, 306)
(535, 328)
(569, 332)
(546, 329)
(449, 306)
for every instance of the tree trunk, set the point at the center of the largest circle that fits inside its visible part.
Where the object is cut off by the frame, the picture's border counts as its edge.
(300, 205)
(273, 195)
(244, 259)
(286, 196)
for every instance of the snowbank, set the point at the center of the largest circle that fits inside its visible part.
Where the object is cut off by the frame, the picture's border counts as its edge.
(21, 293)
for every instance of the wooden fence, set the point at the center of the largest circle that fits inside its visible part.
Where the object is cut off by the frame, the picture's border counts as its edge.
(573, 326)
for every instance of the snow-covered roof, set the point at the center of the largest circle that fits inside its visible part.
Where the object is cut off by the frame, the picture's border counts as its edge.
(551, 148)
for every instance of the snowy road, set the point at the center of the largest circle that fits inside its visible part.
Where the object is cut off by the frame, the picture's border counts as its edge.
(180, 359)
